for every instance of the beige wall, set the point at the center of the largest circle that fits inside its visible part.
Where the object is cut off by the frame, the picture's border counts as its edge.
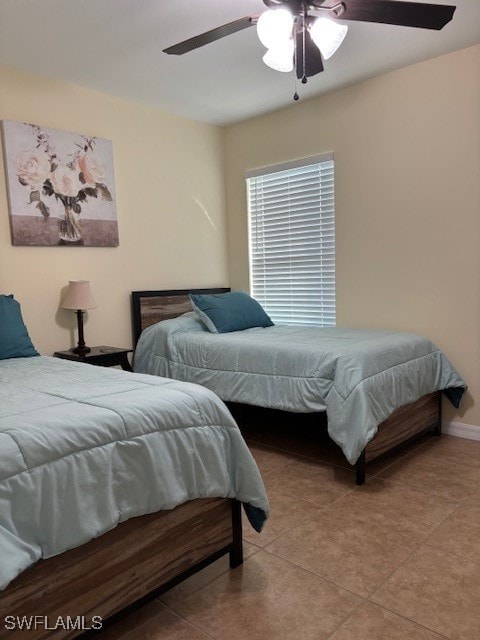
(170, 207)
(407, 153)
(407, 162)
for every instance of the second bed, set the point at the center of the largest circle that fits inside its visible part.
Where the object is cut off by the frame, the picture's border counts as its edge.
(377, 387)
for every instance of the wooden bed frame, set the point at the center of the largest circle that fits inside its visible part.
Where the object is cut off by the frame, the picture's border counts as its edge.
(404, 424)
(129, 565)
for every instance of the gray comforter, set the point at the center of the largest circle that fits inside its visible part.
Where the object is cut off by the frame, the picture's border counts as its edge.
(358, 376)
(83, 448)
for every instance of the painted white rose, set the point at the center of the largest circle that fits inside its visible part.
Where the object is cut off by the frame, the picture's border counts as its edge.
(93, 172)
(65, 182)
(33, 168)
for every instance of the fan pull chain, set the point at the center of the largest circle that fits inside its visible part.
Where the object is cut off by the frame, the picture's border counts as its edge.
(304, 35)
(295, 95)
(304, 62)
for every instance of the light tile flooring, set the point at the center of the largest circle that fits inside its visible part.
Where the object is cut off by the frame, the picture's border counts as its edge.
(398, 558)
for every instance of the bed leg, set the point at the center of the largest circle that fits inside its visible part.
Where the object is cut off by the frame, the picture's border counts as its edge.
(360, 469)
(236, 552)
(437, 430)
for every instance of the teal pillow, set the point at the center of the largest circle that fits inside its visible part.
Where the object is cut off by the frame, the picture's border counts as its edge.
(233, 311)
(14, 339)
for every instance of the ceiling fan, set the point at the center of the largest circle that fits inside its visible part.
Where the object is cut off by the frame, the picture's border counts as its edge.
(300, 34)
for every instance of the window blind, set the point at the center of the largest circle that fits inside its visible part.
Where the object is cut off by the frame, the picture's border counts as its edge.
(291, 213)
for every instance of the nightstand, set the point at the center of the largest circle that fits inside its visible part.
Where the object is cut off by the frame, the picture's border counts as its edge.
(101, 356)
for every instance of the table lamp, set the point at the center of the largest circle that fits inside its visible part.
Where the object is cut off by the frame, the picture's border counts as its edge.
(79, 297)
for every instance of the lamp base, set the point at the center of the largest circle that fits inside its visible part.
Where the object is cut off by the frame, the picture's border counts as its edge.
(80, 351)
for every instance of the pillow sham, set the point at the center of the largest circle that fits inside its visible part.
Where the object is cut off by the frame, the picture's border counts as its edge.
(233, 311)
(14, 339)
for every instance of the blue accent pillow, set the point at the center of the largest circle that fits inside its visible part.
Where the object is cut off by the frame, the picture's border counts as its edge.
(233, 311)
(14, 339)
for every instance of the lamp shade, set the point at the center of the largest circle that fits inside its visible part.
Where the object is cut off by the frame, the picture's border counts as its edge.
(328, 35)
(79, 296)
(280, 58)
(274, 27)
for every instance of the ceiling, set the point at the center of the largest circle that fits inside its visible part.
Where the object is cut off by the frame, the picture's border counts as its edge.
(115, 46)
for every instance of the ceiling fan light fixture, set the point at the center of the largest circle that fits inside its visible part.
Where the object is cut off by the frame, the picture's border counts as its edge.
(328, 35)
(274, 28)
(280, 58)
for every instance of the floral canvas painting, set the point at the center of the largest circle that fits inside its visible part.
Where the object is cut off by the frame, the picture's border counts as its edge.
(61, 187)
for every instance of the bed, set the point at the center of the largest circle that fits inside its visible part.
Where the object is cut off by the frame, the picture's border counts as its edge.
(378, 388)
(114, 486)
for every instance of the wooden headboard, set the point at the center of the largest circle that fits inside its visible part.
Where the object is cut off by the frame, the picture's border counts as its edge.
(149, 307)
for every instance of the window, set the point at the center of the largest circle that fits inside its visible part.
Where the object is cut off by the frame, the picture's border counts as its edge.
(291, 214)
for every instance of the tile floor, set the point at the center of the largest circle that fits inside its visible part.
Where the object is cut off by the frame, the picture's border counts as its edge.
(398, 558)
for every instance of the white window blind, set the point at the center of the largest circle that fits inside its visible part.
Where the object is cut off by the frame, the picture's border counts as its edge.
(292, 241)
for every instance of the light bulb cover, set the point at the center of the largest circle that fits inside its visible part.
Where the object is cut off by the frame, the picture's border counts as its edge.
(280, 58)
(328, 35)
(274, 28)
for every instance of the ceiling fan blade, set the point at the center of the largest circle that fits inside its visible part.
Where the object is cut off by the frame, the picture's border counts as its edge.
(405, 14)
(210, 36)
(313, 57)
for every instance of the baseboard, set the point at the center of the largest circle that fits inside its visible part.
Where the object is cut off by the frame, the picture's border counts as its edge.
(469, 431)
